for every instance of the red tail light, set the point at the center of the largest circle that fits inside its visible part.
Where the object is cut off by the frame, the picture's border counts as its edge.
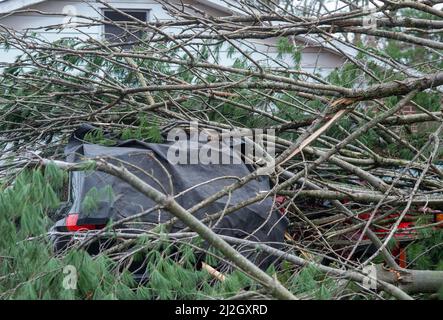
(71, 224)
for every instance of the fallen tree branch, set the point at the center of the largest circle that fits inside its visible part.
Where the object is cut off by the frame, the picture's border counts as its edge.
(273, 286)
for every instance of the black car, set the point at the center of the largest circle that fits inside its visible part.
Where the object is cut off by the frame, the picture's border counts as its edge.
(96, 198)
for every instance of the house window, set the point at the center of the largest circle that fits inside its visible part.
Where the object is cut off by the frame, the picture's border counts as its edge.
(263, 5)
(122, 31)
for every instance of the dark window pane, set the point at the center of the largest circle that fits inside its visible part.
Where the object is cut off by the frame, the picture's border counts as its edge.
(116, 16)
(123, 33)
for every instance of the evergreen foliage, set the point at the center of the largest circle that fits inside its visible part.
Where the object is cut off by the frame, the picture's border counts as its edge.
(29, 269)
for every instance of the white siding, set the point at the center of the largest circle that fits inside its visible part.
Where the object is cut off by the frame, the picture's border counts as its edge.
(314, 59)
(36, 21)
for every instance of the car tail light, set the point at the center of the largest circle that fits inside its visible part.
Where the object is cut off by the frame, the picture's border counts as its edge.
(71, 223)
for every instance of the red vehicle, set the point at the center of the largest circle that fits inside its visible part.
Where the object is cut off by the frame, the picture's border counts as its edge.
(382, 223)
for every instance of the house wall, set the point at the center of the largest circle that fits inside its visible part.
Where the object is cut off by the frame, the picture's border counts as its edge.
(313, 58)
